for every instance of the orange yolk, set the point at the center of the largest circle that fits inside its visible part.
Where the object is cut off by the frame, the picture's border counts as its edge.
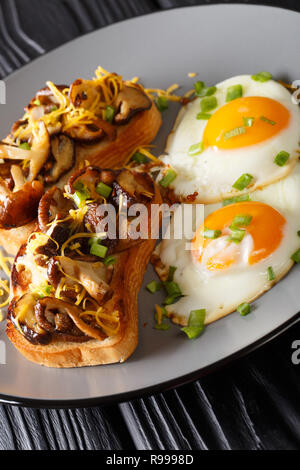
(266, 229)
(230, 116)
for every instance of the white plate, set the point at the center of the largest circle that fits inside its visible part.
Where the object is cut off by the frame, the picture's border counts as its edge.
(218, 42)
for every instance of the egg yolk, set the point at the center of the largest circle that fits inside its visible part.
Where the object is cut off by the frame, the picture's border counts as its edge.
(266, 229)
(226, 128)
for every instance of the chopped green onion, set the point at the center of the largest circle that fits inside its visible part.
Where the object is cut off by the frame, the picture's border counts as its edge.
(81, 196)
(202, 90)
(109, 260)
(298, 233)
(235, 132)
(103, 190)
(170, 175)
(244, 309)
(208, 103)
(153, 286)
(241, 220)
(234, 92)
(172, 270)
(37, 102)
(211, 233)
(93, 240)
(268, 121)
(243, 181)
(98, 250)
(236, 235)
(25, 146)
(203, 116)
(139, 157)
(296, 256)
(262, 77)
(79, 185)
(162, 103)
(195, 149)
(233, 200)
(199, 86)
(172, 288)
(195, 324)
(54, 108)
(248, 121)
(109, 113)
(281, 158)
(271, 274)
(170, 299)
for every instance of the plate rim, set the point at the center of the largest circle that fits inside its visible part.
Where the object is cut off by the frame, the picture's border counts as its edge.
(151, 389)
(191, 376)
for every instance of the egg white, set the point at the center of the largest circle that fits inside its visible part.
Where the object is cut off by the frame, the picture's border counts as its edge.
(213, 172)
(222, 292)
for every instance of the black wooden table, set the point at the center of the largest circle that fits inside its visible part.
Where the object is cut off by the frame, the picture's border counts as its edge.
(251, 404)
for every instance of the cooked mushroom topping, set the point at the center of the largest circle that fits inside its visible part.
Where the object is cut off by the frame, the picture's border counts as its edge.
(63, 153)
(45, 98)
(52, 206)
(91, 133)
(94, 277)
(130, 101)
(83, 93)
(29, 325)
(20, 207)
(37, 154)
(48, 308)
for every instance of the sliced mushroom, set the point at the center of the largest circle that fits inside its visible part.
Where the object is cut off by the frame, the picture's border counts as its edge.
(45, 98)
(46, 311)
(83, 93)
(18, 177)
(93, 277)
(63, 152)
(53, 205)
(130, 101)
(20, 207)
(91, 133)
(29, 325)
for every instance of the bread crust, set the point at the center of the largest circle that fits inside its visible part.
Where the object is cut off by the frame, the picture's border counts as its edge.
(128, 276)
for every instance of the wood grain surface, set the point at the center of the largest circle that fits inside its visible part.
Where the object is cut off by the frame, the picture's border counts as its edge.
(251, 404)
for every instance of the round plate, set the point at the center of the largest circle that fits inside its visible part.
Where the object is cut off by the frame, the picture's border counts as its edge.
(217, 42)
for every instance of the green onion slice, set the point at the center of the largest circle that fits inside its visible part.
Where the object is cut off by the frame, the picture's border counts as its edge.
(233, 200)
(208, 233)
(98, 250)
(172, 288)
(241, 220)
(103, 190)
(267, 120)
(243, 181)
(109, 260)
(236, 235)
(37, 102)
(271, 274)
(262, 77)
(234, 132)
(109, 113)
(248, 121)
(172, 270)
(25, 146)
(296, 256)
(234, 92)
(195, 149)
(208, 103)
(162, 103)
(153, 286)
(195, 324)
(281, 158)
(244, 309)
(169, 176)
(203, 116)
(202, 90)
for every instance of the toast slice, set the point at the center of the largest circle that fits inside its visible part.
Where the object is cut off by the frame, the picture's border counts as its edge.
(48, 323)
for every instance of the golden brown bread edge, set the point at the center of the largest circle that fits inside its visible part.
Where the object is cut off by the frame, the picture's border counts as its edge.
(127, 279)
(141, 130)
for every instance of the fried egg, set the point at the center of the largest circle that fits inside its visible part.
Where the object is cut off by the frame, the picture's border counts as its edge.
(234, 251)
(250, 123)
